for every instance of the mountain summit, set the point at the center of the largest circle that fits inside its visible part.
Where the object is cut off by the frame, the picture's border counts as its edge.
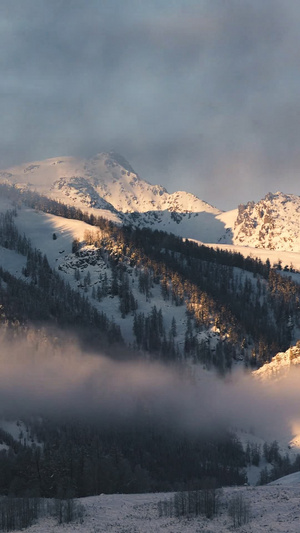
(107, 185)
(108, 177)
(271, 223)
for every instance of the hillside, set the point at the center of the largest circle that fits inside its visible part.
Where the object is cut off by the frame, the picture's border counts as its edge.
(213, 306)
(98, 281)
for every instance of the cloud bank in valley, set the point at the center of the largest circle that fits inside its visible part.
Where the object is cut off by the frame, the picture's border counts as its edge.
(200, 90)
(63, 381)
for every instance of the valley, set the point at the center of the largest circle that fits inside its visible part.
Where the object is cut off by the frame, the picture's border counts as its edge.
(132, 308)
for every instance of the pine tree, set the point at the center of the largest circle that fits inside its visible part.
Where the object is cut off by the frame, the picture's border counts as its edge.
(174, 327)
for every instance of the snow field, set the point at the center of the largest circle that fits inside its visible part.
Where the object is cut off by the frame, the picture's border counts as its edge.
(273, 508)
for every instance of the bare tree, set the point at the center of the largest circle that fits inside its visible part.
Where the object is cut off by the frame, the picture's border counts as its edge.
(239, 510)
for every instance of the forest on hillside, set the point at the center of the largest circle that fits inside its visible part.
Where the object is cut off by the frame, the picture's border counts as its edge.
(253, 308)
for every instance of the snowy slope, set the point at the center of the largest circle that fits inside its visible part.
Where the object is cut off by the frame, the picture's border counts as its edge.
(19, 432)
(40, 227)
(292, 480)
(87, 270)
(12, 262)
(288, 259)
(272, 509)
(204, 225)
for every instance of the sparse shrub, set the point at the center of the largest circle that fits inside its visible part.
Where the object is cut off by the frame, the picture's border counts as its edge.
(75, 246)
(239, 510)
(191, 503)
(67, 511)
(21, 513)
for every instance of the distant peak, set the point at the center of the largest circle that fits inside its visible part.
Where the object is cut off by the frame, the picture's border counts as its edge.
(122, 161)
(114, 157)
(271, 196)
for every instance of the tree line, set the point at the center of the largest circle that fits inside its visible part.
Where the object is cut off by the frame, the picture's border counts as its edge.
(77, 459)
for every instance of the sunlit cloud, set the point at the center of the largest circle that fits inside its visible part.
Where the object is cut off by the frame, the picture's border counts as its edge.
(55, 377)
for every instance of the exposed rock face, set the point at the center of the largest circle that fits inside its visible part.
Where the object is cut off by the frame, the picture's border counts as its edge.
(271, 223)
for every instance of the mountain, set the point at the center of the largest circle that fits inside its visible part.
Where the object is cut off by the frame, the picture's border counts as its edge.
(246, 310)
(107, 176)
(272, 223)
(166, 295)
(92, 256)
(107, 185)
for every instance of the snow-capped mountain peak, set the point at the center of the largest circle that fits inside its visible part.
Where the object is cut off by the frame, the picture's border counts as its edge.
(106, 181)
(272, 223)
(108, 185)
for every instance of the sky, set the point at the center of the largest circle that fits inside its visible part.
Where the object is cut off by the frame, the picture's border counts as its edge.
(198, 95)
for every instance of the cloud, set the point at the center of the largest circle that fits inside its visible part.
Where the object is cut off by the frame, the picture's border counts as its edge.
(56, 378)
(203, 90)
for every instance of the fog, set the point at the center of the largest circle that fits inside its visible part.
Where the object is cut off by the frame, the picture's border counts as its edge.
(44, 378)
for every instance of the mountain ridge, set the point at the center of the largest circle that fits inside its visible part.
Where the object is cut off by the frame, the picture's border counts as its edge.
(107, 185)
(110, 175)
(169, 299)
(270, 223)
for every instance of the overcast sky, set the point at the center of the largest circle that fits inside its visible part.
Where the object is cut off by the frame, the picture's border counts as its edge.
(200, 95)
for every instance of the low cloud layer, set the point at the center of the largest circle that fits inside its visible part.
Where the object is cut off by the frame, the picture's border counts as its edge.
(200, 92)
(62, 381)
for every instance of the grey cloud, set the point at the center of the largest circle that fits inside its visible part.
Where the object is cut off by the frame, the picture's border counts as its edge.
(58, 379)
(205, 90)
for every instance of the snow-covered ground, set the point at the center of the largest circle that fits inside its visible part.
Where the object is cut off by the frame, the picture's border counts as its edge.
(273, 508)
(19, 431)
(287, 258)
(41, 227)
(12, 262)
